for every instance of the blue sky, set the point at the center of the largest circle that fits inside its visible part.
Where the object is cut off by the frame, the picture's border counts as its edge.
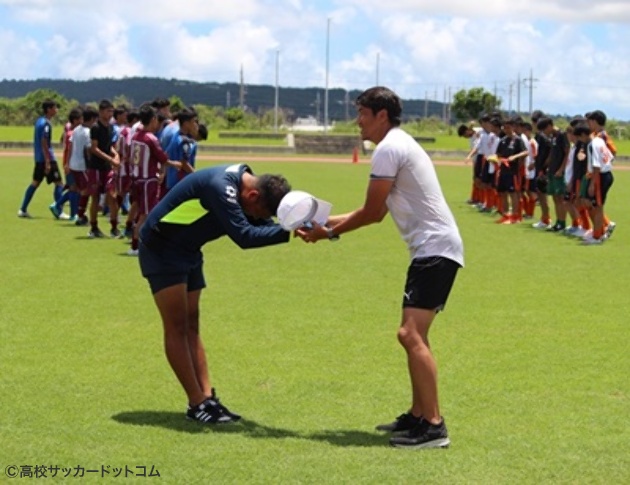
(578, 50)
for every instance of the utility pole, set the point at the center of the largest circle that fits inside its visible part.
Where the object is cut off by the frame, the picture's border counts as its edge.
(327, 68)
(277, 97)
(529, 82)
(241, 97)
(426, 104)
(378, 62)
(510, 95)
(518, 94)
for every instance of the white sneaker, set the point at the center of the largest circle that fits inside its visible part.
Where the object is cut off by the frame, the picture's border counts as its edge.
(64, 217)
(588, 234)
(610, 228)
(580, 232)
(541, 225)
(24, 214)
(589, 241)
(570, 231)
(132, 252)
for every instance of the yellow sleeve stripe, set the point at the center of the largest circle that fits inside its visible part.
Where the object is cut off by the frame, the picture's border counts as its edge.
(185, 213)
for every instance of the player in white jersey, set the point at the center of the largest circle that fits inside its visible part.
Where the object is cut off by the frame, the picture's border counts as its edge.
(403, 181)
(597, 182)
(80, 139)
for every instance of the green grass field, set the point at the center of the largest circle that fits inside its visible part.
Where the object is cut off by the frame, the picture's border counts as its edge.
(301, 339)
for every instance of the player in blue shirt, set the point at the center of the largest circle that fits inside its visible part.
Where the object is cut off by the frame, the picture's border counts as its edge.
(204, 206)
(182, 148)
(45, 163)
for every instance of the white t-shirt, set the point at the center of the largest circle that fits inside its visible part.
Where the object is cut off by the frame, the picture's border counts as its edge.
(80, 139)
(492, 143)
(568, 169)
(416, 201)
(599, 156)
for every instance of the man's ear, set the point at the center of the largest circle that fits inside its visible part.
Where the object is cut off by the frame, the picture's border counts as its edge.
(252, 195)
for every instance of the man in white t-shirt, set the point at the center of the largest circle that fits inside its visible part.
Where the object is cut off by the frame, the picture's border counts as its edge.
(81, 143)
(403, 181)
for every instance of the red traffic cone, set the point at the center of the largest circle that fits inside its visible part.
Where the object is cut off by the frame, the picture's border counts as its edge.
(355, 155)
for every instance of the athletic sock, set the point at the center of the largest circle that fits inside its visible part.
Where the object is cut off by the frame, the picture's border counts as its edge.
(28, 195)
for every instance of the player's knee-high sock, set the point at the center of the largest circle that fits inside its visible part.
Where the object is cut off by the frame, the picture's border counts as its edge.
(28, 195)
(74, 203)
(57, 192)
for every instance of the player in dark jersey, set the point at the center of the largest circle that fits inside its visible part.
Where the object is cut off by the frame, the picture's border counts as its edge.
(204, 206)
(542, 164)
(510, 152)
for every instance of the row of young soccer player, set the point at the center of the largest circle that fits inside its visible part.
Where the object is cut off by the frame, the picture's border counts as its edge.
(519, 165)
(117, 160)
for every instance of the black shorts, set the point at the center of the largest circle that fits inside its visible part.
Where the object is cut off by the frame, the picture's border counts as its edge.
(487, 177)
(477, 167)
(429, 282)
(508, 180)
(164, 268)
(53, 176)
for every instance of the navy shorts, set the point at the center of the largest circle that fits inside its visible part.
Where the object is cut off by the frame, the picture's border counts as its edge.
(429, 282)
(164, 267)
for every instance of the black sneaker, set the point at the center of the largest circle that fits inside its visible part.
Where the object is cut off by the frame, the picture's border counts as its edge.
(423, 435)
(115, 234)
(81, 221)
(208, 412)
(95, 233)
(224, 410)
(403, 423)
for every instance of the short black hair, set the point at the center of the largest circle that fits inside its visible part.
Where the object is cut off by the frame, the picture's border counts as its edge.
(133, 115)
(527, 126)
(202, 132)
(159, 103)
(462, 130)
(544, 123)
(105, 104)
(186, 115)
(598, 116)
(381, 98)
(48, 104)
(89, 114)
(537, 115)
(146, 114)
(581, 129)
(272, 189)
(75, 114)
(576, 120)
(119, 110)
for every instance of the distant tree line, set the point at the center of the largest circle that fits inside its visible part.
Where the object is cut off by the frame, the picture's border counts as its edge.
(255, 103)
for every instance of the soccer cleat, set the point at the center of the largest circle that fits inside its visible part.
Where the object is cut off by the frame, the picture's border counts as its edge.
(570, 231)
(503, 220)
(128, 232)
(115, 234)
(208, 412)
(591, 241)
(64, 217)
(133, 252)
(81, 221)
(54, 210)
(580, 232)
(611, 227)
(73, 218)
(423, 435)
(588, 234)
(24, 214)
(224, 410)
(95, 234)
(541, 225)
(403, 423)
